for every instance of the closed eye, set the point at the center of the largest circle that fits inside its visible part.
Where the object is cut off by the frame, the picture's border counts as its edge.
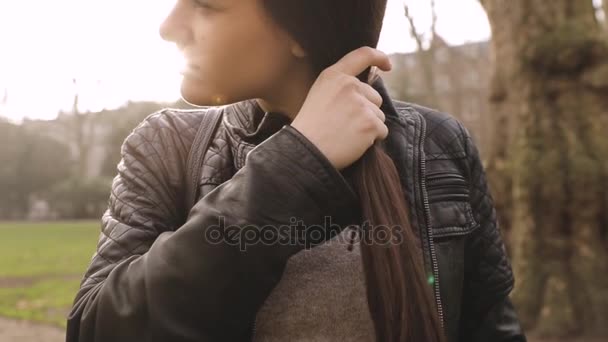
(202, 4)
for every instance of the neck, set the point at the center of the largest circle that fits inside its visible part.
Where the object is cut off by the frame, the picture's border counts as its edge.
(287, 97)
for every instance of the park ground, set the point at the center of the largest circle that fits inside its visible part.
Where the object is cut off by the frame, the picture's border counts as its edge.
(41, 265)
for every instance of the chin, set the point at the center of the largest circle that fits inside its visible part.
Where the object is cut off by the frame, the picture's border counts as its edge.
(194, 93)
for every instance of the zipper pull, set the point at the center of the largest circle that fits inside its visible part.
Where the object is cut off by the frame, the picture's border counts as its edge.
(354, 230)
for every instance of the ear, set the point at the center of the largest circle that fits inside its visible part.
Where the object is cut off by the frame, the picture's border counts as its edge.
(296, 49)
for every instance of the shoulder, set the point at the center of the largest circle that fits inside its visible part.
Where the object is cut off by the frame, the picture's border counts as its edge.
(153, 159)
(168, 128)
(446, 136)
(157, 149)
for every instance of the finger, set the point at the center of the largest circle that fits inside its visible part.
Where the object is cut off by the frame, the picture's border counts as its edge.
(378, 113)
(382, 131)
(356, 61)
(370, 93)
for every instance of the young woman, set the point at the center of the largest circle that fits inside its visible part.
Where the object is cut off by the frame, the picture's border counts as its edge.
(304, 142)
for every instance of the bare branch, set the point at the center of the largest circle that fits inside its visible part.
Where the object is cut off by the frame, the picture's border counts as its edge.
(434, 20)
(4, 97)
(413, 31)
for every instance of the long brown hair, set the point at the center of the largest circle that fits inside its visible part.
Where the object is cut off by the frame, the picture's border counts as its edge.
(399, 297)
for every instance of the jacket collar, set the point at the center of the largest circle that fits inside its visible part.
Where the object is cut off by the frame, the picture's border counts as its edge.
(251, 124)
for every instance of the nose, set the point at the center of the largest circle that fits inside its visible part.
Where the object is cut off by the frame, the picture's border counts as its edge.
(174, 28)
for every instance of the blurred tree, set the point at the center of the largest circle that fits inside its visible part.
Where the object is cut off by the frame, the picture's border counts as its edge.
(78, 198)
(8, 151)
(549, 159)
(69, 162)
(30, 163)
(4, 97)
(426, 55)
(81, 130)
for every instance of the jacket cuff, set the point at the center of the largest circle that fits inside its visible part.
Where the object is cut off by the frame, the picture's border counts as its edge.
(308, 166)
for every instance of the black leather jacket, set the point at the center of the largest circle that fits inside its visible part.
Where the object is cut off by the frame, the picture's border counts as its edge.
(156, 277)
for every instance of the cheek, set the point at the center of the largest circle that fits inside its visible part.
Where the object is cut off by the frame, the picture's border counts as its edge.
(257, 68)
(239, 64)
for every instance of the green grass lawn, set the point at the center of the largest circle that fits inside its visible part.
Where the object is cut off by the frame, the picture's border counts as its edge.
(41, 265)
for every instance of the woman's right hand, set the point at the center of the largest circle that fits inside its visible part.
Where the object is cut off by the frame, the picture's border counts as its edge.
(341, 115)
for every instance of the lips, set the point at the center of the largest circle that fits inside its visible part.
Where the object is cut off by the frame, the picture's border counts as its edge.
(192, 66)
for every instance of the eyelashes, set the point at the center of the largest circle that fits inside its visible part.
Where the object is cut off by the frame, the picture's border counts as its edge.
(202, 4)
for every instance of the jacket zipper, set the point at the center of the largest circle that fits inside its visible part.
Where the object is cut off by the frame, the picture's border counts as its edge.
(427, 212)
(253, 328)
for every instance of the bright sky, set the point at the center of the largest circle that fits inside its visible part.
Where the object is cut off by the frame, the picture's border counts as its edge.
(113, 48)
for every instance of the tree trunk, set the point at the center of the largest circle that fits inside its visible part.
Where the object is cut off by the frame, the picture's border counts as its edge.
(549, 161)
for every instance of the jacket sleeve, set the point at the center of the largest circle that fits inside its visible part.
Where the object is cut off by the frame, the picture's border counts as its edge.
(165, 283)
(488, 314)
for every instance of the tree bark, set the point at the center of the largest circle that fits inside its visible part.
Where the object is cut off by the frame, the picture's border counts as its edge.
(549, 160)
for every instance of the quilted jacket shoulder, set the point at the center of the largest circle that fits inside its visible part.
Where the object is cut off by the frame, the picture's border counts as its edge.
(445, 137)
(146, 195)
